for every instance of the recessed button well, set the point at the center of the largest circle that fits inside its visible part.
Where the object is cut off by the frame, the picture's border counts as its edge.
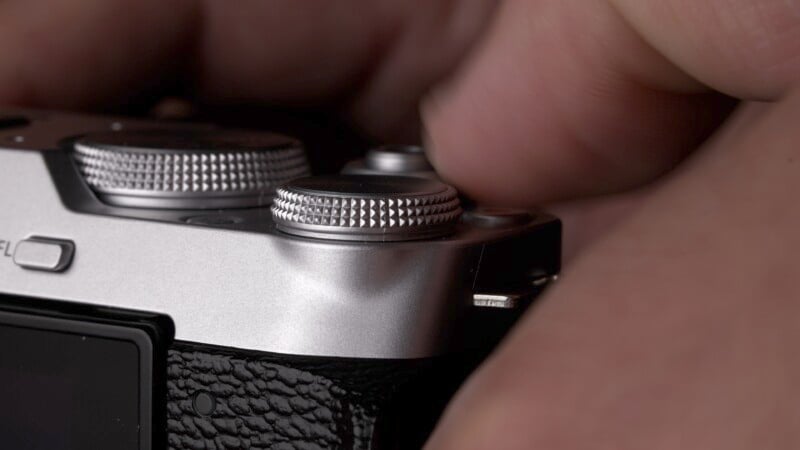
(40, 253)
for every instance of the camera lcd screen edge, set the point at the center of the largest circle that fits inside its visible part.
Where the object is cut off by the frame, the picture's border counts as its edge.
(67, 391)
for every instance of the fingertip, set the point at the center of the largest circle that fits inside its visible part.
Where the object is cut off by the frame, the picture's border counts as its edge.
(474, 143)
(544, 110)
(90, 53)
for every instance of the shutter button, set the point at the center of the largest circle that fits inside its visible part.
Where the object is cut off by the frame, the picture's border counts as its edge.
(40, 253)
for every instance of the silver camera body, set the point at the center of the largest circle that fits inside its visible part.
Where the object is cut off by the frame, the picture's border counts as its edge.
(223, 236)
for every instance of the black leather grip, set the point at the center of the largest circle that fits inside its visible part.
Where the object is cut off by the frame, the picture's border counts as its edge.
(220, 398)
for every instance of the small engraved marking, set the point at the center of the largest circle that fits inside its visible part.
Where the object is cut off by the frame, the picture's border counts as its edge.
(5, 248)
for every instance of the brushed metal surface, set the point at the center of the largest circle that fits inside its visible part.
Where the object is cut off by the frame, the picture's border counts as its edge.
(237, 283)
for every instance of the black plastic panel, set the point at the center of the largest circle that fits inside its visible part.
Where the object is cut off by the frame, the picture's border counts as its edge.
(74, 381)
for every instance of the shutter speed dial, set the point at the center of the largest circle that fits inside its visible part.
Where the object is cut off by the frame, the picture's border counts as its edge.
(188, 169)
(366, 208)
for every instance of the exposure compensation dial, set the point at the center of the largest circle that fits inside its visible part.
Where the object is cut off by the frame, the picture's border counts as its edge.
(188, 169)
(366, 208)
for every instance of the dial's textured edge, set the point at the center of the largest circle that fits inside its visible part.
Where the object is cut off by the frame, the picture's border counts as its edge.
(158, 173)
(342, 213)
(384, 213)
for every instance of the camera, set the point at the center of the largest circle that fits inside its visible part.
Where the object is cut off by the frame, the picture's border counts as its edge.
(189, 286)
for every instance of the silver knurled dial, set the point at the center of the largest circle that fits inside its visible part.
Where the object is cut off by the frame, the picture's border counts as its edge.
(366, 208)
(185, 169)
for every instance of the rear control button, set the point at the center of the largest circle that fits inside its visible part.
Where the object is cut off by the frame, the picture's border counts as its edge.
(40, 253)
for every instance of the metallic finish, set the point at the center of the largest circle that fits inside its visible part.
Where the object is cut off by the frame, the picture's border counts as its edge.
(398, 158)
(188, 169)
(46, 254)
(263, 291)
(366, 208)
(405, 160)
(246, 285)
(547, 279)
(502, 301)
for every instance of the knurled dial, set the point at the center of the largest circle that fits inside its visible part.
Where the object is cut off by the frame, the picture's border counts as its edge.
(366, 208)
(188, 169)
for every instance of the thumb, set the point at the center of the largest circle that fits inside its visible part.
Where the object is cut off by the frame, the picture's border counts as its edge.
(568, 98)
(674, 331)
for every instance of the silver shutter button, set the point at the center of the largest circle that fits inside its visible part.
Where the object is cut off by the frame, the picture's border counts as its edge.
(188, 169)
(366, 208)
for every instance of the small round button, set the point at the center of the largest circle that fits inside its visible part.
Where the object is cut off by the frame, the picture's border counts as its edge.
(398, 158)
(204, 403)
(405, 160)
(366, 208)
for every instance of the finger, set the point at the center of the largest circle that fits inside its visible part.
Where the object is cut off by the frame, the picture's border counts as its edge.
(584, 221)
(587, 220)
(573, 98)
(675, 330)
(743, 48)
(88, 53)
(372, 65)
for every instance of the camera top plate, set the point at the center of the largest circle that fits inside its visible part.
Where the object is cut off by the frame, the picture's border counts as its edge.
(230, 277)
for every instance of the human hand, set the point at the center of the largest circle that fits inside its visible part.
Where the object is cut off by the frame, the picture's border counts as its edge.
(673, 327)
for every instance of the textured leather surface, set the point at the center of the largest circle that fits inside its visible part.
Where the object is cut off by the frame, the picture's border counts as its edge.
(267, 401)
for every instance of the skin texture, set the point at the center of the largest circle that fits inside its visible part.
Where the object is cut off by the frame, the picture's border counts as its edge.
(676, 321)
